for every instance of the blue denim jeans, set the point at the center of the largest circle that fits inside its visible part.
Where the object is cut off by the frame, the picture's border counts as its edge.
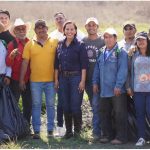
(37, 89)
(95, 104)
(142, 106)
(72, 98)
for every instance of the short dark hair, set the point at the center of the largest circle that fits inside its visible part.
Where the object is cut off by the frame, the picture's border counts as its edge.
(5, 12)
(69, 22)
(58, 13)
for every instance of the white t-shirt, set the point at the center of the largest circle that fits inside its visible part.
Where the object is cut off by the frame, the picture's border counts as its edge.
(60, 36)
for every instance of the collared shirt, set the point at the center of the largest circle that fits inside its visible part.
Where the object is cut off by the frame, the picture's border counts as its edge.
(42, 58)
(126, 45)
(60, 36)
(71, 58)
(3, 68)
(15, 63)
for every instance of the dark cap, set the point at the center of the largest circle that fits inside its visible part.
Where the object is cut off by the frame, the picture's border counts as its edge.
(142, 35)
(40, 22)
(128, 23)
(5, 12)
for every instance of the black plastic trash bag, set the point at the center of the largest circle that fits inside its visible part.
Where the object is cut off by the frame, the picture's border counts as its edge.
(132, 129)
(12, 123)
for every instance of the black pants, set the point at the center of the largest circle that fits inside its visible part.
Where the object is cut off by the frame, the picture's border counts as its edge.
(113, 112)
(26, 98)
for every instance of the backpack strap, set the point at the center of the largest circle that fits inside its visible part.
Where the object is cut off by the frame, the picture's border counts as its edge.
(4, 43)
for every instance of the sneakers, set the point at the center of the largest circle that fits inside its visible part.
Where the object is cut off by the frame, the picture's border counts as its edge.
(36, 135)
(60, 132)
(96, 138)
(140, 142)
(50, 134)
(104, 140)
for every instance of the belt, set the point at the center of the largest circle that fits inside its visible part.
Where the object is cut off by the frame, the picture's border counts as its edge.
(70, 73)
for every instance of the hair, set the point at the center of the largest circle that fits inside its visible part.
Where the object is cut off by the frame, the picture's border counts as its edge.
(148, 47)
(5, 12)
(69, 22)
(58, 13)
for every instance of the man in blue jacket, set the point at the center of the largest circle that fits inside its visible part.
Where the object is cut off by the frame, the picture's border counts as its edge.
(110, 75)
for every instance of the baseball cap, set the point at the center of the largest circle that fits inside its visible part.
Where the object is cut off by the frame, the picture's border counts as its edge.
(40, 22)
(129, 23)
(142, 35)
(111, 31)
(92, 19)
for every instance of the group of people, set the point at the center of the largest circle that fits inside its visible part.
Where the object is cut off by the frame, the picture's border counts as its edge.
(69, 63)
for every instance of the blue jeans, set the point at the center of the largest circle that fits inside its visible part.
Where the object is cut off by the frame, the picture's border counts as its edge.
(37, 89)
(142, 106)
(95, 104)
(72, 98)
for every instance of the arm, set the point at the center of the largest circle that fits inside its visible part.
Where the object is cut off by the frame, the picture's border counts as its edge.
(23, 71)
(122, 73)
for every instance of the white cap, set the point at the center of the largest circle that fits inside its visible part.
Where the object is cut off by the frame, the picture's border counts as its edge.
(111, 31)
(92, 19)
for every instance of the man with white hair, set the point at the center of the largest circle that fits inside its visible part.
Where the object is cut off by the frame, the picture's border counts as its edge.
(109, 77)
(14, 60)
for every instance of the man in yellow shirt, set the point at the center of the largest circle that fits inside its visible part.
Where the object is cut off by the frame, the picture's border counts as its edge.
(40, 52)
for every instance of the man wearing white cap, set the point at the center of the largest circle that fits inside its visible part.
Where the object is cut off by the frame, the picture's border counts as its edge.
(109, 76)
(94, 43)
(14, 60)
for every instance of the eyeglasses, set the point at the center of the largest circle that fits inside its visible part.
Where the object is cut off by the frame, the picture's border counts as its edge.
(128, 28)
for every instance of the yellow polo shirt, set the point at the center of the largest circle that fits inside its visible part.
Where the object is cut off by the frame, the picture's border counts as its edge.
(41, 59)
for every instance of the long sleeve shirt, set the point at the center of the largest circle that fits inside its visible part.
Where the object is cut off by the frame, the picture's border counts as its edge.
(4, 69)
(71, 58)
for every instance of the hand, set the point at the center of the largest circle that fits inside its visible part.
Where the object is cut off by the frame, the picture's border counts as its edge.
(132, 50)
(117, 92)
(95, 89)
(14, 53)
(56, 85)
(129, 92)
(81, 86)
(6, 81)
(22, 85)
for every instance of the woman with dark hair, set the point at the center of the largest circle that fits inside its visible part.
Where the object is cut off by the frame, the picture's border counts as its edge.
(140, 83)
(71, 64)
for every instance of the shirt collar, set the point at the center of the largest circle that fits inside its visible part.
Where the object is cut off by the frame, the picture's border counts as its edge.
(74, 41)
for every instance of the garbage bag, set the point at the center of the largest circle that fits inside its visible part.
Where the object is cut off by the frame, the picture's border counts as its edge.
(132, 129)
(12, 123)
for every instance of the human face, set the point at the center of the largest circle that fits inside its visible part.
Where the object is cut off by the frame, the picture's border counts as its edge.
(59, 20)
(129, 32)
(70, 31)
(41, 31)
(20, 32)
(4, 18)
(110, 40)
(91, 28)
(142, 43)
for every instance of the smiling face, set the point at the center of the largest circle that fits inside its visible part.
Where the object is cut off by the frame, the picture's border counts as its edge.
(142, 43)
(20, 31)
(4, 18)
(70, 31)
(91, 28)
(110, 40)
(41, 31)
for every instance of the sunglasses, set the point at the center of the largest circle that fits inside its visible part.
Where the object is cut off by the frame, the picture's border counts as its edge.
(128, 28)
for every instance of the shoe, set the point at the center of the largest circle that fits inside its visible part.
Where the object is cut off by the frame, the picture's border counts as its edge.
(68, 135)
(104, 140)
(36, 135)
(50, 134)
(60, 132)
(140, 142)
(116, 142)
